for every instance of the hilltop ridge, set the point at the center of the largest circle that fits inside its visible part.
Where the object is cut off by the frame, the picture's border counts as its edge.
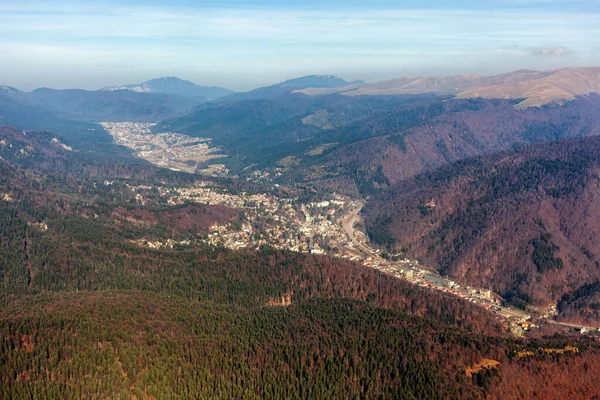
(174, 86)
(533, 88)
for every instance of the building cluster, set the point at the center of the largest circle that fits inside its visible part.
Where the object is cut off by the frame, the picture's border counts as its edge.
(324, 227)
(167, 149)
(282, 223)
(413, 272)
(156, 244)
(317, 228)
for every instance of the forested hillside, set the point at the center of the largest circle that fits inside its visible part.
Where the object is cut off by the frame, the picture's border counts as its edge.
(262, 132)
(389, 148)
(359, 145)
(522, 222)
(83, 105)
(88, 310)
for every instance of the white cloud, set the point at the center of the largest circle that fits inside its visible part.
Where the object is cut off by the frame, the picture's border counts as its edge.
(551, 51)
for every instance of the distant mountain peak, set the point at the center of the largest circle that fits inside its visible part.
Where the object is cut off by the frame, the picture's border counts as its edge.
(291, 86)
(315, 81)
(174, 86)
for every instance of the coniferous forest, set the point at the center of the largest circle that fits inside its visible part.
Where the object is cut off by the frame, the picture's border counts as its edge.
(86, 312)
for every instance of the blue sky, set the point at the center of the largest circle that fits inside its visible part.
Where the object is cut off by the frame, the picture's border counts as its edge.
(245, 44)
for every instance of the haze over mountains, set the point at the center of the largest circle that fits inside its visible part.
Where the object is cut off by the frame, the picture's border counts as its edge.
(175, 86)
(149, 101)
(533, 88)
(289, 86)
(97, 105)
(530, 88)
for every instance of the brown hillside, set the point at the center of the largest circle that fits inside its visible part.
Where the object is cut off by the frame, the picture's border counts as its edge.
(523, 223)
(534, 87)
(484, 127)
(431, 84)
(559, 85)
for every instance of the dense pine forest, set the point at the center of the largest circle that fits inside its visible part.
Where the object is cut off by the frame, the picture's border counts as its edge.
(88, 312)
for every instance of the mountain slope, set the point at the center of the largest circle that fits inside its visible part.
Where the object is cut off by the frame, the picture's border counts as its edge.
(430, 84)
(289, 86)
(73, 114)
(262, 132)
(404, 142)
(380, 139)
(533, 88)
(521, 222)
(316, 81)
(45, 105)
(558, 85)
(122, 105)
(174, 86)
(77, 289)
(22, 148)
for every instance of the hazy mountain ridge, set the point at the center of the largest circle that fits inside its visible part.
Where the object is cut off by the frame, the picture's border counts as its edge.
(111, 106)
(174, 86)
(316, 81)
(452, 84)
(289, 86)
(543, 88)
(10, 90)
(87, 106)
(73, 114)
(534, 88)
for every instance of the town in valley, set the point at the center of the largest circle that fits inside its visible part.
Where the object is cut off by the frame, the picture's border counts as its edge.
(327, 226)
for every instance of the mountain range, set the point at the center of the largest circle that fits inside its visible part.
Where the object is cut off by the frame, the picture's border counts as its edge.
(375, 146)
(286, 87)
(531, 88)
(74, 113)
(180, 87)
(86, 105)
(407, 141)
(363, 146)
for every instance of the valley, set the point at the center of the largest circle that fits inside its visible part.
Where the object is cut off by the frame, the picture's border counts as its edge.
(410, 246)
(328, 226)
(195, 205)
(287, 224)
(169, 149)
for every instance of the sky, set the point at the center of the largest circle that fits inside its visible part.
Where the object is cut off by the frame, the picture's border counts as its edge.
(245, 44)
